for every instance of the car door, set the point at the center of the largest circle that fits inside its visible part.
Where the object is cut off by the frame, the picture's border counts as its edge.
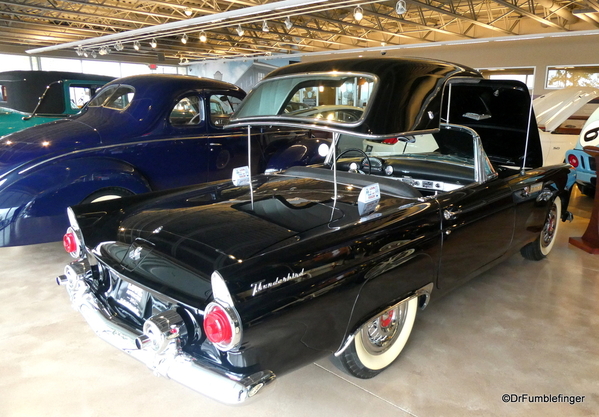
(226, 149)
(477, 226)
(176, 153)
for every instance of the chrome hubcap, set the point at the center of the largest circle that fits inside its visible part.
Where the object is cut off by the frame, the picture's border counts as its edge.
(378, 335)
(549, 228)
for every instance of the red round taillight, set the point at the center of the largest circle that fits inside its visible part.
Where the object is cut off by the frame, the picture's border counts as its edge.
(391, 141)
(218, 325)
(573, 160)
(69, 241)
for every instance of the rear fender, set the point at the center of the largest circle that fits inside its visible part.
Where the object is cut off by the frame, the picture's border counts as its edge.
(33, 203)
(392, 280)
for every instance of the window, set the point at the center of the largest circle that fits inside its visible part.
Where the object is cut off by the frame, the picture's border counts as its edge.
(115, 97)
(583, 76)
(333, 97)
(60, 64)
(525, 75)
(15, 62)
(134, 69)
(187, 112)
(221, 108)
(112, 69)
(79, 95)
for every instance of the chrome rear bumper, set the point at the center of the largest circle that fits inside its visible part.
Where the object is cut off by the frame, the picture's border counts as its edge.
(172, 363)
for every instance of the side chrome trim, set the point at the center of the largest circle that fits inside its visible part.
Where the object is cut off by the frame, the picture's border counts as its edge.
(173, 363)
(421, 292)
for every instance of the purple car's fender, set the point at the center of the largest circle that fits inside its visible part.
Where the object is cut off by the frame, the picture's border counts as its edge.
(34, 200)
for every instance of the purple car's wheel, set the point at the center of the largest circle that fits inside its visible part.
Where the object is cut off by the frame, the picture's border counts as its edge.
(380, 341)
(543, 244)
(107, 194)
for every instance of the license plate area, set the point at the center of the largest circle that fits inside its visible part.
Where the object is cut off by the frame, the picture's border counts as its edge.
(131, 297)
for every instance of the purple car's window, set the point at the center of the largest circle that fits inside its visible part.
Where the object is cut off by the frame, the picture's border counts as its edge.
(221, 108)
(114, 97)
(187, 112)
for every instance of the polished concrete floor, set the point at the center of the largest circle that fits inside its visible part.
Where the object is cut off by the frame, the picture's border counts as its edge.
(523, 328)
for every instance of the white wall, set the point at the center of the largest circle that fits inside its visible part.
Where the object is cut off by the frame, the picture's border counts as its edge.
(537, 53)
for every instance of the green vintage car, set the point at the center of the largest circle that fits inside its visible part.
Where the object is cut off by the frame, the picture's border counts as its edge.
(29, 98)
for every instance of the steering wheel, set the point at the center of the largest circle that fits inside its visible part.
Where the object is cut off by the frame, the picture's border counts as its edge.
(355, 150)
(194, 120)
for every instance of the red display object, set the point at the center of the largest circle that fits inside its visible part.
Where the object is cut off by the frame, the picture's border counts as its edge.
(589, 242)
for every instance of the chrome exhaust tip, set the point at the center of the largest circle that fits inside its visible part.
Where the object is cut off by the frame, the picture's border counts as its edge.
(142, 341)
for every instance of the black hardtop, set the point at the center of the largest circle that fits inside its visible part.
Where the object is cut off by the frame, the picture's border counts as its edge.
(385, 68)
(409, 94)
(24, 88)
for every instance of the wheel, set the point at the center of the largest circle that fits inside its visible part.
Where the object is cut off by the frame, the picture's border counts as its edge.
(543, 244)
(106, 194)
(379, 342)
(359, 151)
(587, 190)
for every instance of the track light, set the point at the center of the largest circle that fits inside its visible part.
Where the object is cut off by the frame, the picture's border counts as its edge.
(400, 7)
(203, 37)
(79, 50)
(136, 45)
(240, 30)
(358, 13)
(265, 26)
(119, 46)
(184, 39)
(153, 43)
(103, 50)
(94, 54)
(288, 23)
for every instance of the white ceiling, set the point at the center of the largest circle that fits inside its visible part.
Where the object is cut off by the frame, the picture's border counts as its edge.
(317, 26)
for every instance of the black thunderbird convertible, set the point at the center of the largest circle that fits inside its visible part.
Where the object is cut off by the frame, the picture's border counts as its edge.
(433, 175)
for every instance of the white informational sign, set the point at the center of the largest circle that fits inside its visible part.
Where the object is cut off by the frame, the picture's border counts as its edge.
(368, 199)
(241, 176)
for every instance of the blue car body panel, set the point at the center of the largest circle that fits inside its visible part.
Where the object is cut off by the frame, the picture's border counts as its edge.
(583, 163)
(46, 168)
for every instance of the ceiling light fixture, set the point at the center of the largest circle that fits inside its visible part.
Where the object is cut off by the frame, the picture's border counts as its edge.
(358, 13)
(188, 12)
(400, 7)
(153, 43)
(265, 26)
(79, 50)
(119, 46)
(288, 23)
(94, 54)
(203, 37)
(136, 45)
(240, 30)
(104, 50)
(184, 39)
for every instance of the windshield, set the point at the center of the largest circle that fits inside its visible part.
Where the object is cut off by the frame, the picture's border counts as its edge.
(339, 98)
(437, 162)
